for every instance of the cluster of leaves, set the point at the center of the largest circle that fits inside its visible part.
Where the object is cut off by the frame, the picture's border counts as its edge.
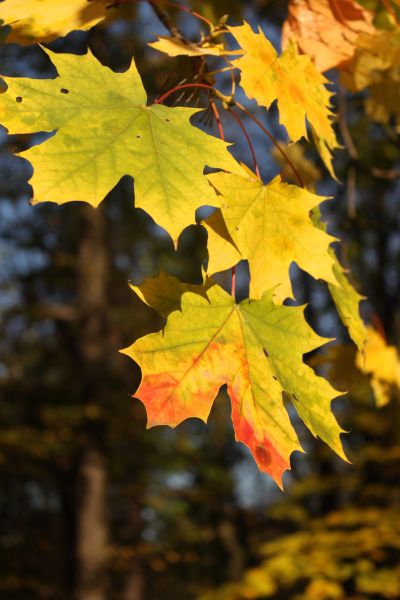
(103, 129)
(352, 545)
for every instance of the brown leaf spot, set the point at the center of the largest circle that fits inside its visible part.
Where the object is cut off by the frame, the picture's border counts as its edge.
(263, 456)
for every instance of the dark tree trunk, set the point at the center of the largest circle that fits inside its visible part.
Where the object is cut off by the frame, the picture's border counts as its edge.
(91, 519)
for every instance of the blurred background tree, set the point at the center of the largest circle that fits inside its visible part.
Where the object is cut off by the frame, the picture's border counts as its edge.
(95, 507)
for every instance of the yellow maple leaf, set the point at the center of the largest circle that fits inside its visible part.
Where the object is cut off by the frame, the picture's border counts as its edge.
(174, 46)
(291, 79)
(222, 251)
(271, 227)
(382, 362)
(44, 20)
(347, 301)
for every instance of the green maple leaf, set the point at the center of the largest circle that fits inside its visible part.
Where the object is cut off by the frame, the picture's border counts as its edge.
(347, 301)
(256, 348)
(104, 130)
(345, 297)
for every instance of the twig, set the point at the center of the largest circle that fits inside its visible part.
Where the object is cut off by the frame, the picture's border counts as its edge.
(246, 135)
(273, 140)
(218, 120)
(233, 283)
(344, 129)
(227, 102)
(165, 20)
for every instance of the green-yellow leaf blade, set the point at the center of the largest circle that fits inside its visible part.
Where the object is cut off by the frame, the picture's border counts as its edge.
(347, 301)
(104, 130)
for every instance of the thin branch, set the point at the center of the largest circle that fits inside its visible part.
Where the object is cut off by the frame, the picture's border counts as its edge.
(344, 129)
(182, 87)
(233, 283)
(184, 9)
(218, 120)
(248, 139)
(231, 70)
(273, 140)
(227, 102)
(382, 174)
(165, 20)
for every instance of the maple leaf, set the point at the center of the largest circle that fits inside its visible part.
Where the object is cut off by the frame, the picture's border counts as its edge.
(382, 362)
(256, 348)
(271, 227)
(164, 292)
(375, 67)
(174, 46)
(222, 252)
(347, 301)
(327, 30)
(106, 131)
(293, 81)
(345, 297)
(45, 20)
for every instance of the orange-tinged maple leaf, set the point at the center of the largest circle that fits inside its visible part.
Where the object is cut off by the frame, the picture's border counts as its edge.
(327, 30)
(291, 79)
(256, 348)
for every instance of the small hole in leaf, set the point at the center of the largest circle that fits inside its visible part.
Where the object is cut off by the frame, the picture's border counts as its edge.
(64, 91)
(138, 137)
(18, 99)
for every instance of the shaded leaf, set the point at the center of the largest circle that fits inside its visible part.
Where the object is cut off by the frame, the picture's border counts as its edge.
(327, 30)
(222, 252)
(375, 67)
(347, 301)
(382, 362)
(164, 292)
